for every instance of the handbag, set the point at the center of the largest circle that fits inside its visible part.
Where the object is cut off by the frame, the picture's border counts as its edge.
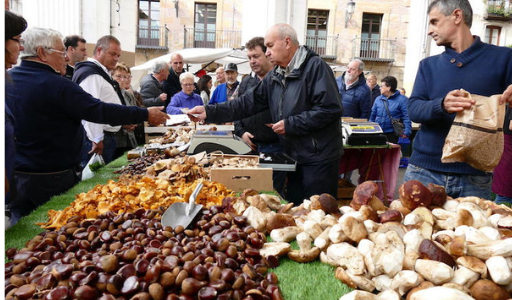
(398, 126)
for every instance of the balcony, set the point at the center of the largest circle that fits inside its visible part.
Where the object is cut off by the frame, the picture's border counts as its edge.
(325, 46)
(205, 38)
(498, 11)
(152, 37)
(378, 50)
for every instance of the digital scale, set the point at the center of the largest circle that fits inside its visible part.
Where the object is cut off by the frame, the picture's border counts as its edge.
(362, 133)
(224, 141)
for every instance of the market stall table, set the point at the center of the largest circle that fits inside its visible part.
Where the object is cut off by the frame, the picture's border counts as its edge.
(377, 163)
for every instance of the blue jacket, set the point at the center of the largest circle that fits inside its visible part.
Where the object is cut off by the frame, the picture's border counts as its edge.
(481, 69)
(181, 100)
(48, 109)
(308, 102)
(357, 100)
(219, 94)
(397, 105)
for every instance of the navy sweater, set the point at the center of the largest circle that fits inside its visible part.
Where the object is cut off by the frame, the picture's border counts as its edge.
(48, 109)
(481, 69)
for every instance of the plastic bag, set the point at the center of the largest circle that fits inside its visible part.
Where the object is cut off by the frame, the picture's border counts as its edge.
(476, 135)
(88, 171)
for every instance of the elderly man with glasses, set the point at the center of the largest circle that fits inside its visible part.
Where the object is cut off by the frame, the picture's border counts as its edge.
(48, 109)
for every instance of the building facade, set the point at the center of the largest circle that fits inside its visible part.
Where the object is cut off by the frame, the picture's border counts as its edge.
(389, 36)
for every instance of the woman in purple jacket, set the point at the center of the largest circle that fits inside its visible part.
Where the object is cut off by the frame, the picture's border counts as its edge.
(186, 98)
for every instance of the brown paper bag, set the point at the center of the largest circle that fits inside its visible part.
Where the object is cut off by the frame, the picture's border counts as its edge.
(476, 135)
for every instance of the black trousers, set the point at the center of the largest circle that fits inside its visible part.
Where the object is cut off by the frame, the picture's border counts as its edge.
(35, 189)
(309, 180)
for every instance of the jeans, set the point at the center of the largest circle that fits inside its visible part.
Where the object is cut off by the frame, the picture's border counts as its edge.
(503, 200)
(456, 185)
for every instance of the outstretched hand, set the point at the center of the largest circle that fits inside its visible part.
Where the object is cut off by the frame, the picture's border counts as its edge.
(197, 114)
(156, 116)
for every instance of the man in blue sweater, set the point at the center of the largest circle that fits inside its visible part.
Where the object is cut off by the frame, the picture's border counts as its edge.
(467, 63)
(48, 109)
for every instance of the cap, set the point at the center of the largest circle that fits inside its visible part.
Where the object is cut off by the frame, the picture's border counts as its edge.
(230, 67)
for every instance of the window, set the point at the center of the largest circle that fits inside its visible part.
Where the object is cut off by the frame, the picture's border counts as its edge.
(370, 35)
(492, 35)
(316, 36)
(149, 22)
(205, 25)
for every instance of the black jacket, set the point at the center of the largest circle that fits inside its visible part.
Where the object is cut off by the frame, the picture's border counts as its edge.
(307, 100)
(171, 85)
(255, 124)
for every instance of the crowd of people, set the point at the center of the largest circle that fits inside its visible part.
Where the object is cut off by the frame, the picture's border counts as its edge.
(62, 107)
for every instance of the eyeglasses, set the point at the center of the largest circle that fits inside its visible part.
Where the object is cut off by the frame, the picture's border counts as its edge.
(19, 41)
(63, 53)
(122, 77)
(187, 84)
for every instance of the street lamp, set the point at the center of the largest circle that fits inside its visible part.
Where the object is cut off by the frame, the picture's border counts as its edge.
(176, 6)
(351, 6)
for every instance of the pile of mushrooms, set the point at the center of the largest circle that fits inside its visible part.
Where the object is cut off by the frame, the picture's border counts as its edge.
(425, 245)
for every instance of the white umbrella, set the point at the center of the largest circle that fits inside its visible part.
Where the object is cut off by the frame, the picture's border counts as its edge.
(195, 57)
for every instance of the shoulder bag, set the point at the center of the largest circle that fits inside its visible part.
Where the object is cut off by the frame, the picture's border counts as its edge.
(397, 125)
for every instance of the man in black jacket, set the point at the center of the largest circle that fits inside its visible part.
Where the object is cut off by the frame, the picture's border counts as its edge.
(172, 84)
(306, 110)
(253, 129)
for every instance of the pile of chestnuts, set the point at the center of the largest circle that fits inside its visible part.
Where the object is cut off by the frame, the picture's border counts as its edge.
(132, 256)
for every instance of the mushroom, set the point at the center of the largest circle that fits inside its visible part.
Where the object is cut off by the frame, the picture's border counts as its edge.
(364, 194)
(465, 277)
(256, 218)
(275, 249)
(434, 271)
(322, 241)
(354, 229)
(382, 282)
(485, 289)
(347, 256)
(279, 220)
(413, 194)
(423, 285)
(336, 234)
(429, 250)
(388, 295)
(359, 295)
(491, 248)
(438, 194)
(499, 270)
(405, 280)
(440, 293)
(312, 228)
(326, 203)
(474, 264)
(306, 253)
(285, 234)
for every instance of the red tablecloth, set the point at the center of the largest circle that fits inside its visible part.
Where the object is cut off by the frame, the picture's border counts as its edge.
(366, 160)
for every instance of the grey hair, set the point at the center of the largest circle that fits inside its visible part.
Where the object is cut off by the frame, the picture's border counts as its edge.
(186, 75)
(159, 66)
(446, 7)
(361, 63)
(285, 30)
(104, 43)
(36, 37)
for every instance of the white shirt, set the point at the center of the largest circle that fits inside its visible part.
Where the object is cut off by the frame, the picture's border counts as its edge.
(99, 88)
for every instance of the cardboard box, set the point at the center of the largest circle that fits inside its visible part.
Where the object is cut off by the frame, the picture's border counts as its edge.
(238, 179)
(345, 189)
